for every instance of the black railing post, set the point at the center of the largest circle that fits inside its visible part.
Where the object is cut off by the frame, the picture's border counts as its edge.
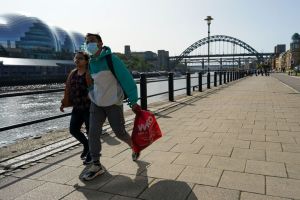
(220, 78)
(231, 76)
(208, 80)
(224, 77)
(188, 84)
(143, 91)
(215, 79)
(228, 78)
(200, 81)
(171, 87)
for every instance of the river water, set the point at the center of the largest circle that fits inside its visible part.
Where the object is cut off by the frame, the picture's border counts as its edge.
(20, 109)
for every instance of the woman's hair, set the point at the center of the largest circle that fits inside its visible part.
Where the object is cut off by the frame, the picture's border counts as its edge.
(85, 55)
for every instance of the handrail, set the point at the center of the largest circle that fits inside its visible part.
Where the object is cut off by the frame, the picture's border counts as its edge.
(33, 122)
(143, 98)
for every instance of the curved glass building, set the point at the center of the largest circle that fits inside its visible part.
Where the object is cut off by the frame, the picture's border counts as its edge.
(29, 37)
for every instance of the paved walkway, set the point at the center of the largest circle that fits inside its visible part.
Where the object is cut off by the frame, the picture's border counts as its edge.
(241, 142)
(291, 81)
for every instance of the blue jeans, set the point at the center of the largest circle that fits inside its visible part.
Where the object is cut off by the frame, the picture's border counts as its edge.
(77, 119)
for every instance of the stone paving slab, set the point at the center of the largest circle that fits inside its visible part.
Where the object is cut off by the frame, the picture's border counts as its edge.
(226, 163)
(266, 168)
(167, 190)
(47, 191)
(293, 171)
(82, 194)
(243, 181)
(268, 146)
(199, 175)
(252, 196)
(189, 159)
(18, 187)
(213, 193)
(248, 154)
(126, 185)
(283, 187)
(240, 142)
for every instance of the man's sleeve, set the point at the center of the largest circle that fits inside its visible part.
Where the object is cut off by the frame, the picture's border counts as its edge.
(126, 80)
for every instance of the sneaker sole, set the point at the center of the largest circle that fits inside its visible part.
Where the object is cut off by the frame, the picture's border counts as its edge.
(100, 172)
(87, 163)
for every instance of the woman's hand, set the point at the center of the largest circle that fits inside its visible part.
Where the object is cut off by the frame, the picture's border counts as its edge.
(62, 108)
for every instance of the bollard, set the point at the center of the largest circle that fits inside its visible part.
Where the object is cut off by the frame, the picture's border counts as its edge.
(200, 81)
(208, 80)
(215, 79)
(224, 77)
(171, 86)
(188, 84)
(220, 78)
(143, 91)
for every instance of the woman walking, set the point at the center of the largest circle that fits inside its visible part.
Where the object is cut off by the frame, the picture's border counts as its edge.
(76, 95)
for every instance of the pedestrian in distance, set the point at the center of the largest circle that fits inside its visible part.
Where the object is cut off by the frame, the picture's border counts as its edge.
(76, 96)
(111, 82)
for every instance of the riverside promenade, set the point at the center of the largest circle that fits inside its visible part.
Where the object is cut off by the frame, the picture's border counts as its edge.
(241, 141)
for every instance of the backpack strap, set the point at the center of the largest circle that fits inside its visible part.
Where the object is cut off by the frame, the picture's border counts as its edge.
(111, 65)
(112, 69)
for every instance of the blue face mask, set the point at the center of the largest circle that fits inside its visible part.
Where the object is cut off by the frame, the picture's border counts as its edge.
(91, 48)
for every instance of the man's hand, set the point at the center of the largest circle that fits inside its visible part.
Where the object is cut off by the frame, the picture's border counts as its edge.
(136, 108)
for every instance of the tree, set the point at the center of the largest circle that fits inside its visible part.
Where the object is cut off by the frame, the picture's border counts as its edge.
(296, 36)
(134, 63)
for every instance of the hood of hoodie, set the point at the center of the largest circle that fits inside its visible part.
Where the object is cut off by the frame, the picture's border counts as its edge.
(98, 63)
(104, 52)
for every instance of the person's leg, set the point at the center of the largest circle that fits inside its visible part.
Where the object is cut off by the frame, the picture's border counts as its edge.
(75, 126)
(97, 118)
(116, 120)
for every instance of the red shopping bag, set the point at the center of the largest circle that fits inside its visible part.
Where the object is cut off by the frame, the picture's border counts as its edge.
(145, 130)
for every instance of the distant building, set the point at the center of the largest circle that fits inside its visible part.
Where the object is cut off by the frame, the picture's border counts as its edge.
(29, 37)
(295, 50)
(279, 48)
(23, 71)
(159, 60)
(163, 58)
(127, 50)
(146, 55)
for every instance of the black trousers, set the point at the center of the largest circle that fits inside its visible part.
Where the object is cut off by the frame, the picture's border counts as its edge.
(77, 119)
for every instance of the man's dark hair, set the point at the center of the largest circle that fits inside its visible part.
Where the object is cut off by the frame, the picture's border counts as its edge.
(93, 34)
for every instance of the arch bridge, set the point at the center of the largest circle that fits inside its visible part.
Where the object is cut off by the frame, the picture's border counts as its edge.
(225, 51)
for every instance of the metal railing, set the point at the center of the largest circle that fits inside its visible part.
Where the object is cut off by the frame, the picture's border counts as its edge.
(231, 76)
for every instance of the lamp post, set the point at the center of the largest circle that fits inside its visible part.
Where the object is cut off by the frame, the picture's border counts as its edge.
(208, 19)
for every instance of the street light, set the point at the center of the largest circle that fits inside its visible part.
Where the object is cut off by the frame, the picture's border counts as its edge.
(208, 19)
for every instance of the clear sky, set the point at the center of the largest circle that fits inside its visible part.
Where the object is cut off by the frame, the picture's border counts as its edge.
(171, 25)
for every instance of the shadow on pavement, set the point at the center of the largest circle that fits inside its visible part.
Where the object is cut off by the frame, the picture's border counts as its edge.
(135, 186)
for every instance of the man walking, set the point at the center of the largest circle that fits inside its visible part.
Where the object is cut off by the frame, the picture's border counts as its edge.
(106, 92)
